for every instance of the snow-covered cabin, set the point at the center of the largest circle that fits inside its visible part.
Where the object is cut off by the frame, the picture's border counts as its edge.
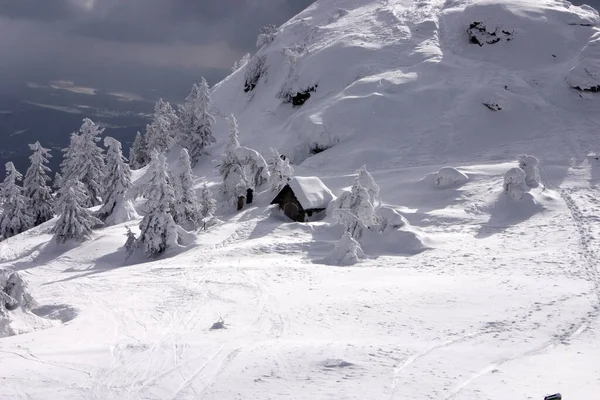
(303, 197)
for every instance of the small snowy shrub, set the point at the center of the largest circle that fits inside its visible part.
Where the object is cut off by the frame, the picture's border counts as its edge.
(241, 63)
(266, 35)
(530, 165)
(514, 183)
(255, 68)
(449, 177)
(347, 251)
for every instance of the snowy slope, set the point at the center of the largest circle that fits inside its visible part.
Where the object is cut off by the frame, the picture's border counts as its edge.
(476, 297)
(399, 81)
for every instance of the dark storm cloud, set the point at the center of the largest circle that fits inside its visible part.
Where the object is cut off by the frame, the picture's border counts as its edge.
(235, 22)
(126, 44)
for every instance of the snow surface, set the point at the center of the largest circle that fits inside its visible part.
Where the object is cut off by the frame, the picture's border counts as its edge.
(503, 303)
(310, 192)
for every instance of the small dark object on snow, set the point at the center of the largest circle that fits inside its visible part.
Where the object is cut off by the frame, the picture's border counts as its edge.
(337, 364)
(492, 106)
(301, 97)
(240, 203)
(249, 196)
(556, 396)
(220, 324)
(554, 55)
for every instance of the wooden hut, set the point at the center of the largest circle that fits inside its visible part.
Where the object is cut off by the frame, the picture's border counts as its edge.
(303, 197)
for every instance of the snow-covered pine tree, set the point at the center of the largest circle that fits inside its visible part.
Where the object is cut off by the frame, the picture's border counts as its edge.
(16, 217)
(187, 207)
(84, 161)
(138, 153)
(116, 208)
(158, 230)
(39, 197)
(208, 205)
(57, 182)
(197, 121)
(530, 164)
(356, 204)
(75, 221)
(233, 177)
(280, 171)
(161, 133)
(366, 180)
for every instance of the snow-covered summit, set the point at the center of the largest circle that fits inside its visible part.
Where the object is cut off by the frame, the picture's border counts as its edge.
(394, 82)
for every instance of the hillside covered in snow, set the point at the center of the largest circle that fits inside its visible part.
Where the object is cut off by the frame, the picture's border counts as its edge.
(476, 275)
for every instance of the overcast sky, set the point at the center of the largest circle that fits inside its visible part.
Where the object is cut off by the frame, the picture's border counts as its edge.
(131, 45)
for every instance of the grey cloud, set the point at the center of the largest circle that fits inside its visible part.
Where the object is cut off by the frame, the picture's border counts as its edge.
(46, 10)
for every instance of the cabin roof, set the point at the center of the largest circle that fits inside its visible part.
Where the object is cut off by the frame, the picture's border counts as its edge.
(310, 192)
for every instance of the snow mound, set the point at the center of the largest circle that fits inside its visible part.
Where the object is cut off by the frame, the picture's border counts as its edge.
(450, 177)
(515, 184)
(585, 75)
(347, 251)
(15, 306)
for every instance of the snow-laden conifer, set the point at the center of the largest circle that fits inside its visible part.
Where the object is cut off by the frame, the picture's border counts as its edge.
(197, 121)
(16, 217)
(280, 171)
(530, 165)
(158, 230)
(35, 185)
(161, 133)
(233, 177)
(138, 153)
(75, 221)
(208, 204)
(355, 211)
(57, 182)
(84, 161)
(366, 181)
(187, 207)
(116, 208)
